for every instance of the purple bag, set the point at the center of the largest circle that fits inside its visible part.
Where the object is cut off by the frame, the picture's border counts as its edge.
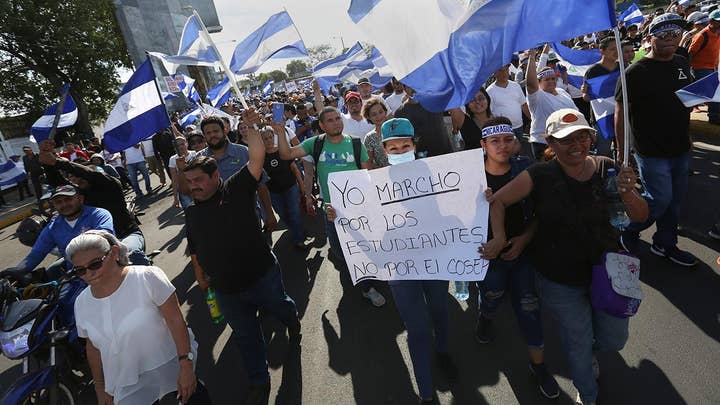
(615, 287)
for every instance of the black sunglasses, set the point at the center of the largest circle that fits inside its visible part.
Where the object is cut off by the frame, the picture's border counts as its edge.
(93, 265)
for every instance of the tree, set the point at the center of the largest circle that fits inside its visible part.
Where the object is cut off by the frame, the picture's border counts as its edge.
(319, 53)
(276, 75)
(296, 68)
(46, 43)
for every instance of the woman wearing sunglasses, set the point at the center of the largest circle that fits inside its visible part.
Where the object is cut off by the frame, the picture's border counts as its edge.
(138, 346)
(573, 231)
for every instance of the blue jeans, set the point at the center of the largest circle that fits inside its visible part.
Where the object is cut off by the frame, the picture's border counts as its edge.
(713, 108)
(420, 302)
(185, 200)
(519, 276)
(583, 331)
(133, 169)
(287, 205)
(135, 243)
(241, 313)
(665, 181)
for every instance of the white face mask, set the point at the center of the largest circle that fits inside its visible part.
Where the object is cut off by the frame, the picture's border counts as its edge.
(408, 156)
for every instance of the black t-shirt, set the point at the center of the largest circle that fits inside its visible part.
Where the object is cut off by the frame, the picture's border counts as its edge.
(573, 222)
(429, 128)
(224, 232)
(471, 133)
(598, 70)
(514, 216)
(280, 172)
(659, 121)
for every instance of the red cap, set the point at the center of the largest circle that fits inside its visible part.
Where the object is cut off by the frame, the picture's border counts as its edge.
(351, 94)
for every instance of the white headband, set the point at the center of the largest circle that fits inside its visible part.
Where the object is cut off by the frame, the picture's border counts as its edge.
(497, 130)
(545, 73)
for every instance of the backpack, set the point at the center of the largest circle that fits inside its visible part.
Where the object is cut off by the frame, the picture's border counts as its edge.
(320, 142)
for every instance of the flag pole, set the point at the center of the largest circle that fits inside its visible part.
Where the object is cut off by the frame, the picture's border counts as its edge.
(58, 113)
(230, 75)
(626, 116)
(157, 88)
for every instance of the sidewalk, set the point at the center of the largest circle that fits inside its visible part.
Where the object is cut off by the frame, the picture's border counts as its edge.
(16, 210)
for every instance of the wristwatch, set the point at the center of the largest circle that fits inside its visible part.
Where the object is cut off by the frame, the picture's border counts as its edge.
(189, 356)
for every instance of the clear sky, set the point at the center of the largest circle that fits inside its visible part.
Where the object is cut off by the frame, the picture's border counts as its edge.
(318, 21)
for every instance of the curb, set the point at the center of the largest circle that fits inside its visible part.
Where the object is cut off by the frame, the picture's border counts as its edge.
(16, 215)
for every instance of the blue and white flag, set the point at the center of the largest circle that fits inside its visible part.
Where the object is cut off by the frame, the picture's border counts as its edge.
(219, 94)
(11, 174)
(187, 86)
(168, 96)
(632, 15)
(327, 73)
(705, 90)
(577, 61)
(267, 87)
(138, 113)
(277, 38)
(199, 113)
(375, 68)
(40, 130)
(446, 49)
(291, 86)
(601, 91)
(195, 43)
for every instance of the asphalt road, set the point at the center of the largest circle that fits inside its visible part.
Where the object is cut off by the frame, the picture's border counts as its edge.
(353, 353)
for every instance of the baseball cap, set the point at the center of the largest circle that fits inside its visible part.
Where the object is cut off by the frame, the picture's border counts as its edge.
(397, 128)
(666, 22)
(352, 94)
(715, 15)
(698, 17)
(65, 189)
(364, 80)
(564, 122)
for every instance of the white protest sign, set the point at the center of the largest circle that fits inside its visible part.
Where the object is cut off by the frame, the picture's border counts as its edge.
(422, 220)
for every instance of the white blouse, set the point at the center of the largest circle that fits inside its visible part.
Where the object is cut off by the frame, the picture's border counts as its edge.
(135, 344)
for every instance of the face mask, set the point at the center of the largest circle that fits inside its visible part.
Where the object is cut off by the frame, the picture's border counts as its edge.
(408, 156)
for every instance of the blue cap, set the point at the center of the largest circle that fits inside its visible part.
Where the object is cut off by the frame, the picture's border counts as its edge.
(397, 128)
(715, 15)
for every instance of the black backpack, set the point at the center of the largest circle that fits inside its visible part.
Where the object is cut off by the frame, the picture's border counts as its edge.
(320, 142)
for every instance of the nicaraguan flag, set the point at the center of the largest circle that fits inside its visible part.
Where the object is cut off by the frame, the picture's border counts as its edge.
(327, 73)
(577, 61)
(267, 87)
(196, 44)
(632, 15)
(277, 38)
(138, 113)
(219, 94)
(446, 49)
(199, 113)
(11, 174)
(291, 86)
(40, 130)
(601, 91)
(375, 68)
(705, 90)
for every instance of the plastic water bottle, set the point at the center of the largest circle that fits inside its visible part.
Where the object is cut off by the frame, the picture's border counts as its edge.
(618, 216)
(212, 304)
(459, 142)
(461, 290)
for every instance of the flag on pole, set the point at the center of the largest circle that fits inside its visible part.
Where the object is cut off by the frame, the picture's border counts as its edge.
(328, 72)
(446, 49)
(632, 15)
(138, 113)
(219, 94)
(577, 61)
(291, 86)
(199, 113)
(705, 90)
(601, 90)
(277, 38)
(11, 174)
(267, 87)
(194, 43)
(40, 129)
(375, 68)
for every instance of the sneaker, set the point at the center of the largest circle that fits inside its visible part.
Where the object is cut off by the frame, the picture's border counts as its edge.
(596, 368)
(579, 401)
(681, 257)
(657, 250)
(448, 366)
(628, 242)
(546, 382)
(483, 330)
(714, 232)
(375, 297)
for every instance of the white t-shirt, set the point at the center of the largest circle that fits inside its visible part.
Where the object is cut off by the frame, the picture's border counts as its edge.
(172, 163)
(394, 101)
(542, 104)
(507, 102)
(148, 147)
(356, 129)
(134, 341)
(133, 155)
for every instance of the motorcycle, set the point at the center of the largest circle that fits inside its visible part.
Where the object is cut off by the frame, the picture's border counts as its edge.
(37, 325)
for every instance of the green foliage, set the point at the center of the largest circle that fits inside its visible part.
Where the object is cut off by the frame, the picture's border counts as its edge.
(319, 53)
(46, 43)
(297, 68)
(276, 75)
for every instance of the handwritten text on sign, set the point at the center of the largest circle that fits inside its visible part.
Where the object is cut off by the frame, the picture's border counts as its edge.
(422, 220)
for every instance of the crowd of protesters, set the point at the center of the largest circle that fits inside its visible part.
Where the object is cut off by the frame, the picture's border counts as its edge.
(237, 172)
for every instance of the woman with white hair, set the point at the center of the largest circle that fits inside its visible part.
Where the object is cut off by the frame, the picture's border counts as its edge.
(138, 346)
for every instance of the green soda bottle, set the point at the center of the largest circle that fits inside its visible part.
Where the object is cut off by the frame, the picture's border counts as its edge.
(212, 304)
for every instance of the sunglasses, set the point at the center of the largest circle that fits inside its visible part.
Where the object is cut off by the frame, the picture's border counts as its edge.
(668, 34)
(569, 140)
(93, 266)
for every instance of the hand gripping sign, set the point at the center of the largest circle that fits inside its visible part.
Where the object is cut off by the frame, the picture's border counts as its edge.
(422, 220)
